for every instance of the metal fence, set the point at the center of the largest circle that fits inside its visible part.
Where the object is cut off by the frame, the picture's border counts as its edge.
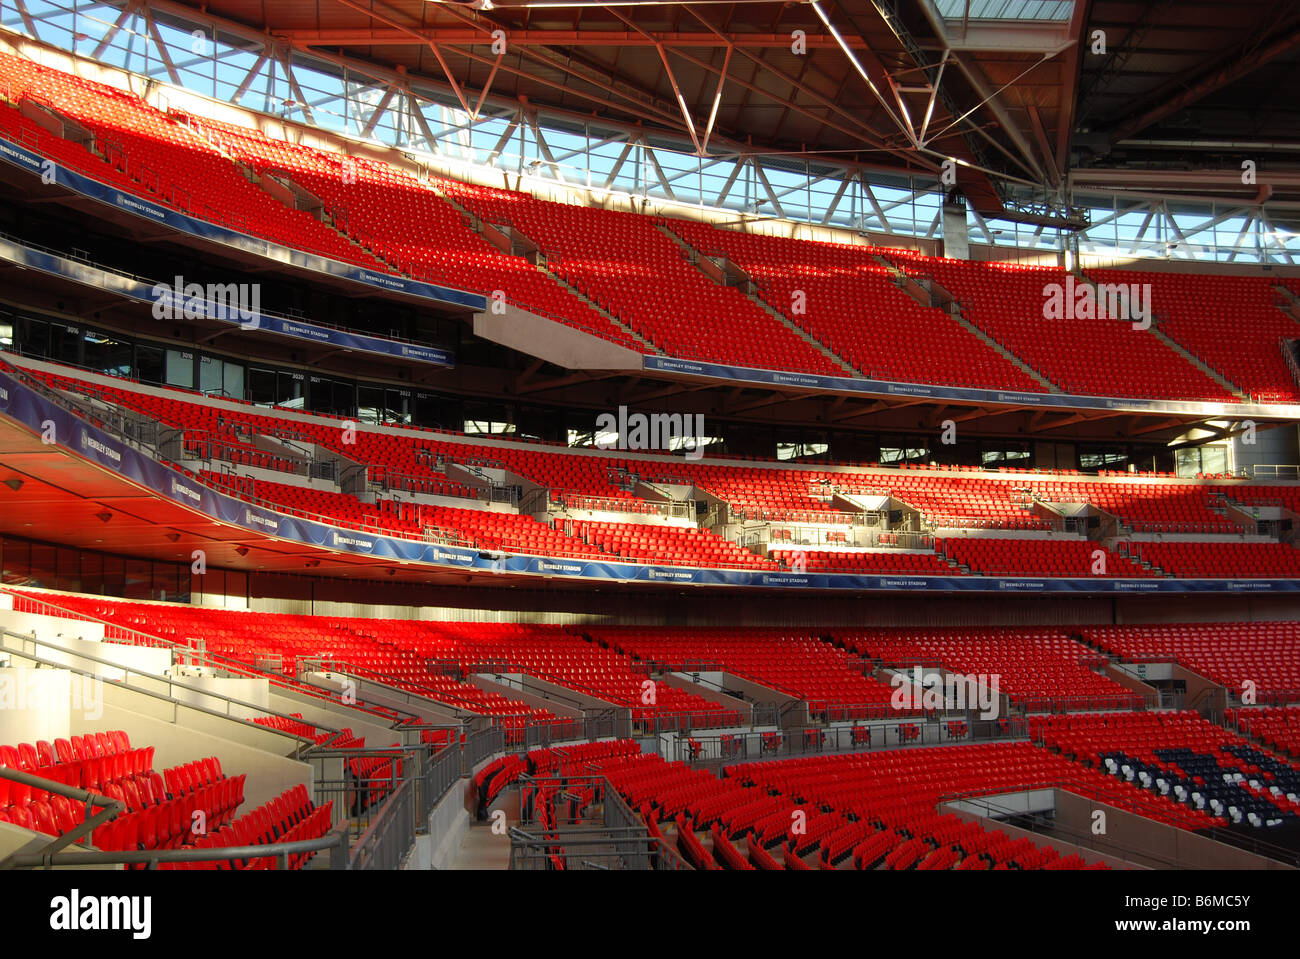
(615, 840)
(482, 744)
(780, 744)
(391, 835)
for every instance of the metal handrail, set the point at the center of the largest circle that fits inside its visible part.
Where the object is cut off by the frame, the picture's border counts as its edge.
(198, 656)
(109, 810)
(128, 671)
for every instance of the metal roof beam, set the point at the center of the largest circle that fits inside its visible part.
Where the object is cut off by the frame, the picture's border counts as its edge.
(396, 36)
(1195, 89)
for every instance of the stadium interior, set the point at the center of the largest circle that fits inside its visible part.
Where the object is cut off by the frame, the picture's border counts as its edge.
(701, 436)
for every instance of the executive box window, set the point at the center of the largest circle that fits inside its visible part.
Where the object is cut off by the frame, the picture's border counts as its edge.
(219, 377)
(180, 369)
(276, 388)
(65, 343)
(30, 563)
(106, 354)
(325, 395)
(151, 364)
(27, 334)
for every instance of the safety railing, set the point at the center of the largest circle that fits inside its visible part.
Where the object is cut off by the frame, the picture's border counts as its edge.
(817, 740)
(391, 834)
(196, 655)
(480, 745)
(60, 851)
(108, 809)
(1287, 471)
(301, 743)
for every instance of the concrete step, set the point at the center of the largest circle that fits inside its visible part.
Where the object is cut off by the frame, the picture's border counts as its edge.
(645, 344)
(476, 223)
(1291, 301)
(691, 254)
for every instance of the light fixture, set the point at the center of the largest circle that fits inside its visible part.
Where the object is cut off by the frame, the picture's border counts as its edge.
(241, 550)
(104, 517)
(14, 483)
(173, 536)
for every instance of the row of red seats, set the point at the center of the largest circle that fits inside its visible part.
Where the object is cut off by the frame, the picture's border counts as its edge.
(945, 499)
(1220, 560)
(1277, 727)
(1255, 658)
(1076, 558)
(842, 296)
(1091, 355)
(290, 817)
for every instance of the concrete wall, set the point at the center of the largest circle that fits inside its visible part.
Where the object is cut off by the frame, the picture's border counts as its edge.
(1144, 842)
(1064, 847)
(35, 704)
(14, 838)
(431, 710)
(534, 699)
(375, 734)
(554, 342)
(249, 690)
(684, 681)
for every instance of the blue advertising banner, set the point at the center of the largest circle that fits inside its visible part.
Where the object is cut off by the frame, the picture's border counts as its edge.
(218, 310)
(886, 388)
(38, 414)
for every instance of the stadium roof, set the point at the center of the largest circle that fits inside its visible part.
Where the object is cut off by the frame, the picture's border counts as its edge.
(1027, 96)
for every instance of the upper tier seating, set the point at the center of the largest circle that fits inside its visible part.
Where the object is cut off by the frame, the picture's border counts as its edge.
(384, 217)
(627, 264)
(850, 303)
(1103, 357)
(408, 225)
(159, 159)
(1196, 310)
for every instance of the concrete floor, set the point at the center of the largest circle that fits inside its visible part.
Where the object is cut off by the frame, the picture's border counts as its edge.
(481, 848)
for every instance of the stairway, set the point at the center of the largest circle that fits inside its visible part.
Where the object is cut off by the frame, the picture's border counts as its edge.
(1290, 301)
(1139, 561)
(691, 255)
(1196, 361)
(645, 344)
(475, 223)
(908, 284)
(1176, 347)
